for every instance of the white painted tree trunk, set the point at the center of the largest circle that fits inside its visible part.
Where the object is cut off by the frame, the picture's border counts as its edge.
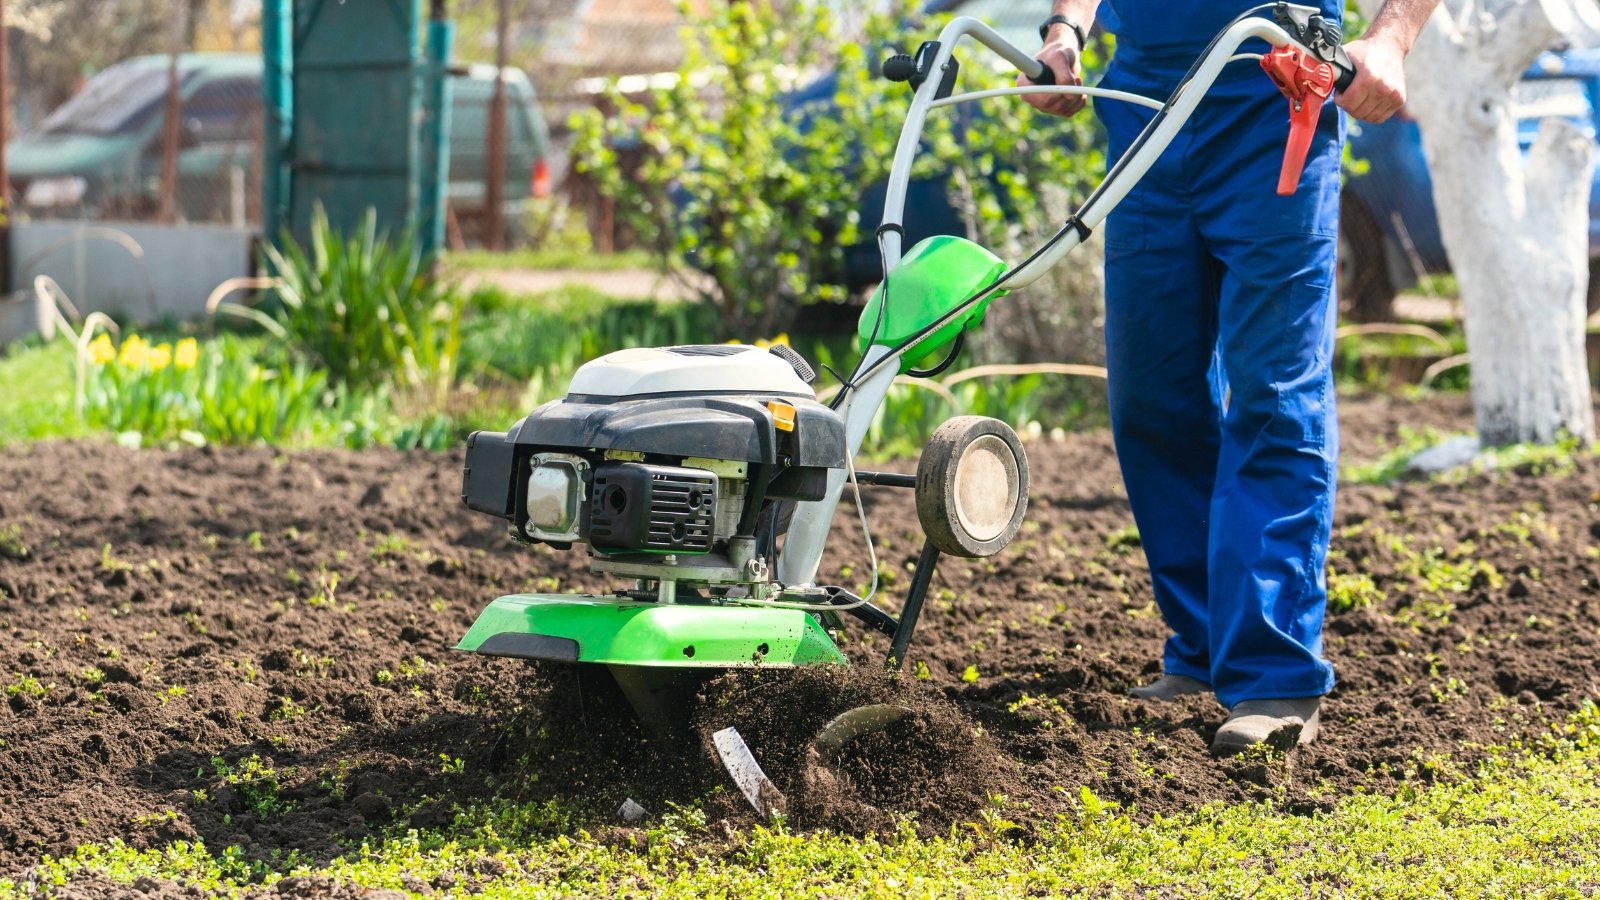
(1516, 234)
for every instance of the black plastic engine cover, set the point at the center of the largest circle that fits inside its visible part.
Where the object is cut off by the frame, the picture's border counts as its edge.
(725, 427)
(665, 509)
(488, 480)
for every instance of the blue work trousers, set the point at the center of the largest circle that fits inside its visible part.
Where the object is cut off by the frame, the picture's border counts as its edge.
(1220, 312)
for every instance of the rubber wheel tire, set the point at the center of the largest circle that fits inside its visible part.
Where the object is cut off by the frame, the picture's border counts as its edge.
(972, 487)
(1363, 265)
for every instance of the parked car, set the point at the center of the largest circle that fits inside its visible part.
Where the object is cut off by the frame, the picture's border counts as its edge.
(1388, 229)
(99, 154)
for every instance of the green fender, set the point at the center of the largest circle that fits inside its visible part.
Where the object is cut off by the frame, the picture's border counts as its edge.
(933, 278)
(614, 631)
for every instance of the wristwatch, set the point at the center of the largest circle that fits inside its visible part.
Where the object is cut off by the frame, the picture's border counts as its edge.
(1044, 29)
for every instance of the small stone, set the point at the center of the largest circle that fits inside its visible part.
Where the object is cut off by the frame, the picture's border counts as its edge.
(1442, 457)
(632, 812)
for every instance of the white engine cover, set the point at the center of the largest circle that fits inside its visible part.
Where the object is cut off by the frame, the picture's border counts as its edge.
(710, 368)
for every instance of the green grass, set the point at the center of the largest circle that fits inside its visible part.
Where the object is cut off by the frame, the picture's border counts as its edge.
(36, 393)
(1524, 826)
(1531, 459)
(549, 259)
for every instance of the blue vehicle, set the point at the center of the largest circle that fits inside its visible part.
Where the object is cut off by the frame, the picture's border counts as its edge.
(1389, 232)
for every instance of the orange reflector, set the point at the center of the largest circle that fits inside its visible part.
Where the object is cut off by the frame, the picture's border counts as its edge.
(782, 415)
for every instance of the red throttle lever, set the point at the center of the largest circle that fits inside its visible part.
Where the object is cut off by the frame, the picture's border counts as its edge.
(1307, 81)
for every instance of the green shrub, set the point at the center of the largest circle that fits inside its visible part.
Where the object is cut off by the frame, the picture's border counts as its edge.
(715, 171)
(364, 307)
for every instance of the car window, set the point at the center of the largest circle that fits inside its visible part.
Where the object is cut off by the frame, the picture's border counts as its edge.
(120, 100)
(224, 111)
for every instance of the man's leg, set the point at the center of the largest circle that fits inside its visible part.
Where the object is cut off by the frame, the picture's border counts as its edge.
(1160, 335)
(1273, 503)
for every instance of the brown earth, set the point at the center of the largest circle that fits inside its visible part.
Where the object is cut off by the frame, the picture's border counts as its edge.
(252, 648)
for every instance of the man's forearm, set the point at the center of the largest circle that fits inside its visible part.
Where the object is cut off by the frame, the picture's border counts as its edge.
(1080, 11)
(1399, 22)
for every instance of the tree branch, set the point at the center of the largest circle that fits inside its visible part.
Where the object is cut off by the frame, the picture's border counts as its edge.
(1523, 29)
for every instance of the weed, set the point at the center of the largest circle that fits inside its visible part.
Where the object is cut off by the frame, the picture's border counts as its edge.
(25, 685)
(992, 825)
(11, 544)
(327, 589)
(1046, 711)
(193, 622)
(110, 562)
(415, 667)
(155, 820)
(256, 783)
(1451, 688)
(392, 544)
(286, 710)
(451, 765)
(1347, 593)
(970, 676)
(1123, 540)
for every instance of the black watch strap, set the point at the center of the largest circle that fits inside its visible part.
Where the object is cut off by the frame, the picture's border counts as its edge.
(1044, 29)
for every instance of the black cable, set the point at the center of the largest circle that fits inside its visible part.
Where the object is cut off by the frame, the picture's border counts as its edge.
(846, 386)
(949, 359)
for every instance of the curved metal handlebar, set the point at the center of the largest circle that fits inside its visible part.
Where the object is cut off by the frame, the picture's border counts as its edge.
(1181, 107)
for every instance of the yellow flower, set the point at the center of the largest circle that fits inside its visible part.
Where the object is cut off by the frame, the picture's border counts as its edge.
(101, 351)
(187, 354)
(782, 338)
(160, 357)
(135, 352)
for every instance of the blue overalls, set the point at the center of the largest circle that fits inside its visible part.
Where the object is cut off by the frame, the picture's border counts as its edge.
(1219, 332)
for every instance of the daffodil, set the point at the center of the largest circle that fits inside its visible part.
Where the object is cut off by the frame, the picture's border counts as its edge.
(187, 354)
(782, 338)
(101, 351)
(160, 357)
(135, 352)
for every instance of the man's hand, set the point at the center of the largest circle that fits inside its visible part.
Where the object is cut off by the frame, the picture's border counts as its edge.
(1380, 86)
(1061, 54)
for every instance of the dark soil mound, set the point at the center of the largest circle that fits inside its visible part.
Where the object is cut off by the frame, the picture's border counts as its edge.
(253, 648)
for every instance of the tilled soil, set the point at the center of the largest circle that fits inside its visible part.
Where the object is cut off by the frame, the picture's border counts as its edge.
(253, 648)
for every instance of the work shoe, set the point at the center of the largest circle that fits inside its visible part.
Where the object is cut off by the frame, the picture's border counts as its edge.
(1170, 687)
(1280, 724)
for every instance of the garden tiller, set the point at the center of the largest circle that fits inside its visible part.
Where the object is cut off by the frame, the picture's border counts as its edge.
(705, 478)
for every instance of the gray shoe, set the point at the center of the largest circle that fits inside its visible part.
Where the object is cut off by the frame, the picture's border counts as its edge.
(1280, 724)
(1170, 687)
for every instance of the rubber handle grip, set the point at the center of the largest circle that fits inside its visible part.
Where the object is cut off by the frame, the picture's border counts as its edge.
(1344, 76)
(1344, 71)
(1045, 78)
